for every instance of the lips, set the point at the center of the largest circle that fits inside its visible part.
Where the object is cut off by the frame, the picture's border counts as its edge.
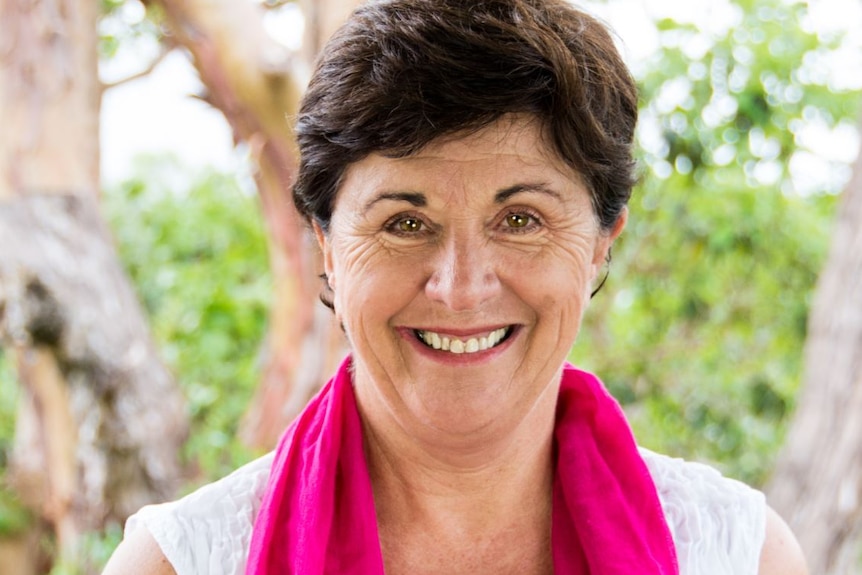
(474, 344)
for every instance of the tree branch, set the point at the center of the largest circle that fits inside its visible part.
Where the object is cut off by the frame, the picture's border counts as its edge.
(138, 75)
(276, 4)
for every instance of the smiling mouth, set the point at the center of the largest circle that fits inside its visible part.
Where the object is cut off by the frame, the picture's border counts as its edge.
(470, 345)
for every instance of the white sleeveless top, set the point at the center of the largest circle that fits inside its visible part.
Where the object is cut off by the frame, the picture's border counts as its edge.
(718, 524)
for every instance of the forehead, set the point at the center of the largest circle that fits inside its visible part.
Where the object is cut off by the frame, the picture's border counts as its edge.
(503, 153)
(513, 136)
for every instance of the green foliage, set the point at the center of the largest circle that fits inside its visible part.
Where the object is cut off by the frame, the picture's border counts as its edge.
(701, 327)
(729, 110)
(702, 330)
(14, 518)
(128, 25)
(91, 555)
(8, 404)
(197, 255)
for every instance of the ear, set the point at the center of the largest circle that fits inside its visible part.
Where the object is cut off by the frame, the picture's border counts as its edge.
(605, 240)
(326, 250)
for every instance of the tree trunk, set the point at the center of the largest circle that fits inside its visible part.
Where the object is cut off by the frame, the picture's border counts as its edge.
(101, 420)
(255, 83)
(322, 19)
(817, 485)
(20, 555)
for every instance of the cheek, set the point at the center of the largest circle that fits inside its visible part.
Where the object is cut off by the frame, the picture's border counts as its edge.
(370, 278)
(566, 265)
(353, 259)
(557, 283)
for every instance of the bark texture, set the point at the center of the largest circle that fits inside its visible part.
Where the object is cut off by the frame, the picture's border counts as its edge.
(101, 421)
(257, 85)
(817, 485)
(48, 82)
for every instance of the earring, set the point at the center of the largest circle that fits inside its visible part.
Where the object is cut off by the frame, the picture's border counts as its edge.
(607, 273)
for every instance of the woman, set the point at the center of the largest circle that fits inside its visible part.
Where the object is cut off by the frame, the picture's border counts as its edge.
(465, 167)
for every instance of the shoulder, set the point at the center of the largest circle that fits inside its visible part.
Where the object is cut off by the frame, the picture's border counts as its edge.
(718, 524)
(781, 554)
(210, 526)
(140, 554)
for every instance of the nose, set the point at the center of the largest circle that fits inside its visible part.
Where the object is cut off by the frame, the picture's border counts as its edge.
(464, 274)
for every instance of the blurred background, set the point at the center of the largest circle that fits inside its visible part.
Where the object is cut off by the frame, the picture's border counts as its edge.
(159, 320)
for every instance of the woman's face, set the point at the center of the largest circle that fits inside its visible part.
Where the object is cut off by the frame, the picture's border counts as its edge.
(460, 275)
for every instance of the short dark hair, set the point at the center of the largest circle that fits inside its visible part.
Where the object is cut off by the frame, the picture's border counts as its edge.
(402, 73)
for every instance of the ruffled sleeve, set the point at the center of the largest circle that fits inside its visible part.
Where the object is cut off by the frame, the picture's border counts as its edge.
(718, 524)
(209, 531)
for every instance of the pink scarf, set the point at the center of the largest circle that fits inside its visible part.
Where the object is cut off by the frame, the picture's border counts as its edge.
(317, 516)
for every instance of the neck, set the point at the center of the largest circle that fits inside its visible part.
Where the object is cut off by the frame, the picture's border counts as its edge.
(478, 478)
(481, 503)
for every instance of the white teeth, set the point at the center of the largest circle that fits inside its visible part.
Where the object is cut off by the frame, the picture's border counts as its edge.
(458, 346)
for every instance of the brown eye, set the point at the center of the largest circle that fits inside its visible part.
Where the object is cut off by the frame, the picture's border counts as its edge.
(409, 225)
(518, 221)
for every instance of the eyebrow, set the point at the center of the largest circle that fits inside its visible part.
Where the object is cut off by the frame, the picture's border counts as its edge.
(418, 200)
(536, 188)
(413, 198)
